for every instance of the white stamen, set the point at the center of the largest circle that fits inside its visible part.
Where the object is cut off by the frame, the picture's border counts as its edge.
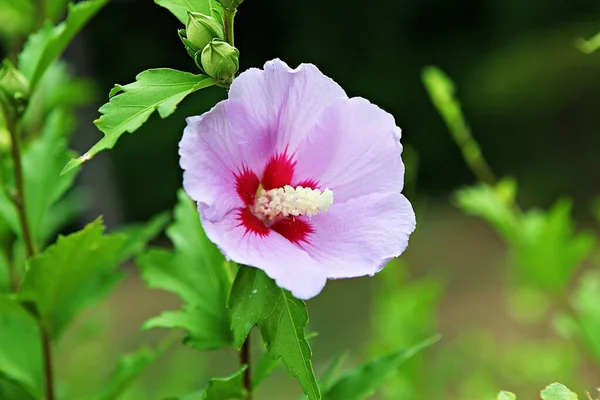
(286, 201)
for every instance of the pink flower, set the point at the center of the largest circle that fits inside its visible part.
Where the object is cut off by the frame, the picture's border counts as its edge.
(293, 177)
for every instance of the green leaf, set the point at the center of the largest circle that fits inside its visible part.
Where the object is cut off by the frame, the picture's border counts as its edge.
(71, 274)
(20, 348)
(549, 250)
(42, 165)
(130, 366)
(495, 204)
(227, 388)
(586, 303)
(557, 391)
(54, 9)
(506, 396)
(154, 90)
(180, 8)
(362, 382)
(139, 235)
(46, 45)
(4, 272)
(196, 272)
(281, 318)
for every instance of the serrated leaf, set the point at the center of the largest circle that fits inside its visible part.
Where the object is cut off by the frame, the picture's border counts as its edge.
(180, 8)
(557, 391)
(46, 45)
(228, 388)
(71, 274)
(130, 366)
(549, 250)
(20, 348)
(506, 396)
(256, 300)
(362, 382)
(195, 272)
(131, 105)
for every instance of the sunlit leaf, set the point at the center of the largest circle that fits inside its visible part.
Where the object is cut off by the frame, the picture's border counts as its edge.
(180, 8)
(195, 271)
(257, 301)
(131, 105)
(16, 17)
(589, 46)
(557, 391)
(20, 348)
(586, 303)
(549, 250)
(495, 204)
(71, 274)
(228, 388)
(46, 45)
(362, 382)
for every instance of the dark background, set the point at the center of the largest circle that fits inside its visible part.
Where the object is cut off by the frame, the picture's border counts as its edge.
(529, 95)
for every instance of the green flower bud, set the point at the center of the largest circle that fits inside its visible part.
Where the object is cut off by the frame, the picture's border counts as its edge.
(14, 89)
(220, 60)
(200, 30)
(230, 5)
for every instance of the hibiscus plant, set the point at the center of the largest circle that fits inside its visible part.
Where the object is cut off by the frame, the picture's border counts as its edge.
(287, 183)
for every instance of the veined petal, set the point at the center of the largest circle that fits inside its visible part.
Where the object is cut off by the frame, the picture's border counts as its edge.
(287, 263)
(285, 102)
(215, 148)
(360, 236)
(354, 150)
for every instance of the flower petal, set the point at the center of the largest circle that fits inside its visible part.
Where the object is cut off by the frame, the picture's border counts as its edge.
(216, 147)
(288, 264)
(360, 236)
(285, 102)
(354, 150)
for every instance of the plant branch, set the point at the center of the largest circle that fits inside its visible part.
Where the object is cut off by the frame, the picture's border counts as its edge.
(20, 204)
(245, 360)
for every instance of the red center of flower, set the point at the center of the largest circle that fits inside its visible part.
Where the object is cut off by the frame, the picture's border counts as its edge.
(278, 172)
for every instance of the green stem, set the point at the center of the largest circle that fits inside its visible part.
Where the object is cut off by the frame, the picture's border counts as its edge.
(20, 204)
(228, 17)
(245, 360)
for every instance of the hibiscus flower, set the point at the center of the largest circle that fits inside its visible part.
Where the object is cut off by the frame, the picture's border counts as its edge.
(294, 178)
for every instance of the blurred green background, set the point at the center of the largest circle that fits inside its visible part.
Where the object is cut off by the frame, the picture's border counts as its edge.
(532, 102)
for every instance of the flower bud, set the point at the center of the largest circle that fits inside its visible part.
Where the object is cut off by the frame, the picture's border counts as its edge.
(201, 29)
(230, 5)
(220, 60)
(14, 88)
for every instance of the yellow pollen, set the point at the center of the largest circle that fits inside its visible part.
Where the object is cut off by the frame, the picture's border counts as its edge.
(289, 201)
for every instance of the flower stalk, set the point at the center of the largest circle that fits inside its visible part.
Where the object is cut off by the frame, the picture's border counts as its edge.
(228, 17)
(245, 360)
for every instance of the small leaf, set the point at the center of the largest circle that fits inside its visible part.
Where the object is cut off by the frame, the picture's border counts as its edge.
(140, 234)
(180, 8)
(130, 366)
(586, 303)
(20, 348)
(71, 274)
(154, 90)
(495, 204)
(281, 318)
(362, 382)
(228, 388)
(506, 396)
(557, 391)
(46, 45)
(196, 272)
